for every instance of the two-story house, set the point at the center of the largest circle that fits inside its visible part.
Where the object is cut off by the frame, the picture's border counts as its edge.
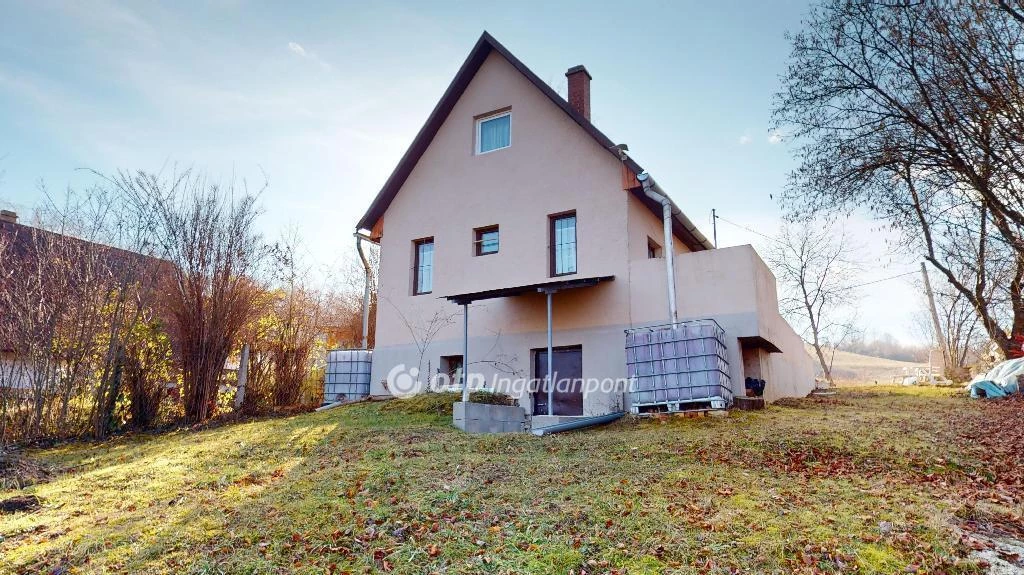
(510, 209)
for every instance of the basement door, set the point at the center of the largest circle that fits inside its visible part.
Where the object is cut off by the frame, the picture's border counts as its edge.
(567, 370)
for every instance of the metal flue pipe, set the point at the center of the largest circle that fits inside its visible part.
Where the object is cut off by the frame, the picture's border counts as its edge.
(366, 287)
(668, 209)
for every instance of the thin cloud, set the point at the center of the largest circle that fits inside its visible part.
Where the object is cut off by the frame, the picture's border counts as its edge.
(745, 139)
(775, 137)
(300, 51)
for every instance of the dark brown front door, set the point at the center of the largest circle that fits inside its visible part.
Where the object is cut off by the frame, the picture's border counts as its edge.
(567, 368)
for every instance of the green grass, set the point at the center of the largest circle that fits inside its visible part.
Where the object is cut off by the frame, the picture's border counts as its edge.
(441, 403)
(366, 488)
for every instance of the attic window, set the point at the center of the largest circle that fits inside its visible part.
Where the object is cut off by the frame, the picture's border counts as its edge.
(493, 132)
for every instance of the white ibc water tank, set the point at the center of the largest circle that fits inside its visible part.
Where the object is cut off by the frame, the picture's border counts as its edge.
(676, 368)
(347, 376)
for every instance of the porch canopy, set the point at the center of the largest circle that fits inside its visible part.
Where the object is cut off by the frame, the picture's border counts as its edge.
(758, 342)
(548, 288)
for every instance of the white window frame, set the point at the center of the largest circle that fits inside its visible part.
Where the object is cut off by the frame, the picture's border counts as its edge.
(479, 125)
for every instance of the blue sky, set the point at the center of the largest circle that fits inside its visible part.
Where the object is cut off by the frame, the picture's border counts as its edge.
(323, 98)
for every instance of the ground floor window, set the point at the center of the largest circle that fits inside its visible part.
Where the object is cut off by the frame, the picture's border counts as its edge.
(452, 366)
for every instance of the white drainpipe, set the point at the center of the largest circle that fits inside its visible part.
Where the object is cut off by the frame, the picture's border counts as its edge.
(366, 288)
(668, 209)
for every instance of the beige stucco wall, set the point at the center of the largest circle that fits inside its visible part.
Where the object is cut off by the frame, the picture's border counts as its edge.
(644, 224)
(552, 166)
(734, 287)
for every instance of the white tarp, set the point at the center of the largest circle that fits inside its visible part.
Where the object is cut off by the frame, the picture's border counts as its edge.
(1000, 381)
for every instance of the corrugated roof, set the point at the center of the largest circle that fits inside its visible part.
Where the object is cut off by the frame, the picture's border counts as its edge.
(512, 291)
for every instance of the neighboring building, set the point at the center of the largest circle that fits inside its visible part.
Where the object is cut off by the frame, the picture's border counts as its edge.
(24, 247)
(15, 372)
(509, 191)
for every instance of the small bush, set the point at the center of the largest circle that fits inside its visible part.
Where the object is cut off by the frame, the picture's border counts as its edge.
(441, 403)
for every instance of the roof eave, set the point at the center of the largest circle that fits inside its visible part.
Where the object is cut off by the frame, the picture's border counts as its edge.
(476, 56)
(684, 228)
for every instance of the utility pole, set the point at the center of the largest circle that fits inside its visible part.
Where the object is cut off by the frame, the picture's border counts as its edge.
(939, 336)
(714, 226)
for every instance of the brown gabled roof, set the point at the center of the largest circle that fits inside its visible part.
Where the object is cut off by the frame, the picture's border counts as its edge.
(684, 229)
(23, 245)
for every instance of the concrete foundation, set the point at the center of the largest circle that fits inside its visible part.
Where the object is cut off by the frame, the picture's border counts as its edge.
(486, 418)
(749, 403)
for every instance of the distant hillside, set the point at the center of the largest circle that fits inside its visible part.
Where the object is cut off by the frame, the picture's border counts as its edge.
(856, 369)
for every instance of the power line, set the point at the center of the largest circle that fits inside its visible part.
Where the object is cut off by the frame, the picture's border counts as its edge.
(880, 280)
(749, 230)
(780, 243)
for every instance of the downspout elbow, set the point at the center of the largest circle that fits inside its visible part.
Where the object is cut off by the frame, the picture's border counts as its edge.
(653, 190)
(668, 211)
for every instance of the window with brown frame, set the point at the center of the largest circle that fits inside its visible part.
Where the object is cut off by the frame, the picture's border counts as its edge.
(451, 365)
(485, 241)
(653, 249)
(562, 239)
(423, 266)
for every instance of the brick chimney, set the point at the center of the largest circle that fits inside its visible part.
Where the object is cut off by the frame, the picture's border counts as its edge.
(8, 216)
(579, 90)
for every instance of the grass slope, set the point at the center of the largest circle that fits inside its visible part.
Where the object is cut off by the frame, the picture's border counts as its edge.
(361, 489)
(856, 369)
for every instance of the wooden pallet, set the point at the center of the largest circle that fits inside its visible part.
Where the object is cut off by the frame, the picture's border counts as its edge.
(679, 407)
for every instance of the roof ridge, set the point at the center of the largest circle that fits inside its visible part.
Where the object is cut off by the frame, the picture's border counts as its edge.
(483, 47)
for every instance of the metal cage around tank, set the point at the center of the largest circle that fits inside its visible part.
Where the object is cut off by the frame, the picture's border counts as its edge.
(347, 375)
(678, 368)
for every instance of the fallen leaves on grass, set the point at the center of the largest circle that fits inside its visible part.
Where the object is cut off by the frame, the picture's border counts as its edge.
(18, 471)
(844, 486)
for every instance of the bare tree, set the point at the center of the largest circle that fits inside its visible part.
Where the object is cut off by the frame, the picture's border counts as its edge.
(299, 313)
(259, 385)
(10, 365)
(208, 235)
(32, 302)
(816, 270)
(55, 298)
(112, 288)
(69, 297)
(424, 329)
(961, 327)
(912, 111)
(497, 359)
(345, 315)
(147, 368)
